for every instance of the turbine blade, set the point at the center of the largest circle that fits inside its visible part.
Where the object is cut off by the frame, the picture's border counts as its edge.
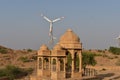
(57, 19)
(46, 19)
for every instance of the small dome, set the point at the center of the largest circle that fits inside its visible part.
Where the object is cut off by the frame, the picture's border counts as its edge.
(57, 47)
(69, 37)
(43, 47)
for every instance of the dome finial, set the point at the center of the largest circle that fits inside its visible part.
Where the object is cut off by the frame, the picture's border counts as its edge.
(69, 30)
(57, 47)
(43, 47)
(69, 37)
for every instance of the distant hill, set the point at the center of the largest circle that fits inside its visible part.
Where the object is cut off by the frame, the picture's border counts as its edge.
(4, 50)
(22, 58)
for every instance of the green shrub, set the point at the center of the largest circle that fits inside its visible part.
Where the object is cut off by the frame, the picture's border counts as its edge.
(3, 50)
(29, 70)
(115, 50)
(2, 72)
(88, 59)
(24, 59)
(12, 72)
(34, 57)
(29, 50)
(100, 51)
(69, 59)
(97, 54)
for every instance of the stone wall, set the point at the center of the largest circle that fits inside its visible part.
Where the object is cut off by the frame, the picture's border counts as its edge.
(104, 67)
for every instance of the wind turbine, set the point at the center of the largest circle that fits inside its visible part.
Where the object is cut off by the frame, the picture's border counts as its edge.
(51, 25)
(118, 38)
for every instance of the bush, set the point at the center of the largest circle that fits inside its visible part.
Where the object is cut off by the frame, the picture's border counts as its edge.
(115, 50)
(100, 51)
(24, 59)
(97, 54)
(88, 59)
(29, 70)
(34, 57)
(29, 50)
(3, 50)
(12, 72)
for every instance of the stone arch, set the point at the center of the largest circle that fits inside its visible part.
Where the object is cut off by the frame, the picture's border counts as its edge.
(40, 63)
(76, 62)
(46, 63)
(54, 65)
(61, 64)
(69, 61)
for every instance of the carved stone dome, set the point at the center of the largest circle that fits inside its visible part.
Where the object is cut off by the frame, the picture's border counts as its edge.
(57, 47)
(43, 47)
(69, 37)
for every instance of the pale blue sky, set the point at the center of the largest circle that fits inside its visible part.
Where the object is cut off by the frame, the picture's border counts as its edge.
(96, 22)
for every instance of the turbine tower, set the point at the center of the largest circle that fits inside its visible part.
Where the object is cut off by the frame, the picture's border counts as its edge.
(51, 26)
(118, 38)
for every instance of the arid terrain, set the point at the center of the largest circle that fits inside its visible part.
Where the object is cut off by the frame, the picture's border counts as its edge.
(108, 64)
(25, 58)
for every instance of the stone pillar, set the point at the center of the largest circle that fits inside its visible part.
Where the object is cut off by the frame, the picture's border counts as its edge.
(49, 63)
(39, 71)
(64, 60)
(80, 62)
(72, 73)
(57, 65)
(64, 67)
(89, 71)
(42, 62)
(38, 63)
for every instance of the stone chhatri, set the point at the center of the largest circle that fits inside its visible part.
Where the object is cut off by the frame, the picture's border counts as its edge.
(53, 64)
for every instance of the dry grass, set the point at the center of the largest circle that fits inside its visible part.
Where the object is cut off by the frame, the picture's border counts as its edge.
(13, 57)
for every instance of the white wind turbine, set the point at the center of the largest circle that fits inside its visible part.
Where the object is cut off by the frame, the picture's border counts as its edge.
(51, 26)
(118, 38)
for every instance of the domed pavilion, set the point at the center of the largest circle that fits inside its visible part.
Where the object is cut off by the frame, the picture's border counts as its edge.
(63, 61)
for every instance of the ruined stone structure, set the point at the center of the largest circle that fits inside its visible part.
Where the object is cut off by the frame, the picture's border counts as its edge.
(63, 61)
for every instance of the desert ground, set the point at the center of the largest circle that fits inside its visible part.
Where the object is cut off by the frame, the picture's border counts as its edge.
(108, 64)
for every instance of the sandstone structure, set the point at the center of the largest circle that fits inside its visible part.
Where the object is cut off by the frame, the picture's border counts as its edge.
(63, 61)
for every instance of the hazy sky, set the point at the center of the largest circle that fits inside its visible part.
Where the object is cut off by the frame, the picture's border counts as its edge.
(96, 22)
